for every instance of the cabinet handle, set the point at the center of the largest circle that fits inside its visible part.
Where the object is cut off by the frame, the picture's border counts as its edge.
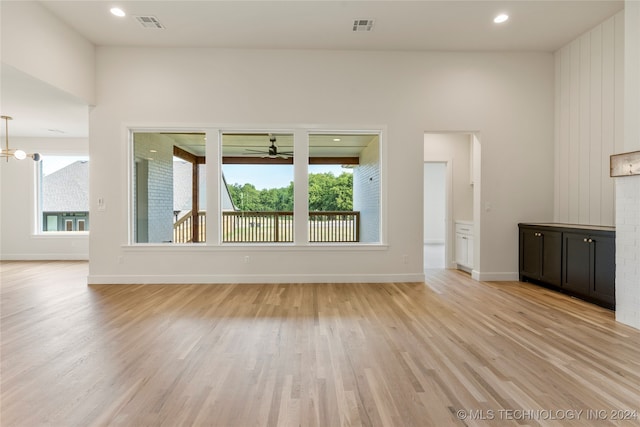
(590, 240)
(585, 240)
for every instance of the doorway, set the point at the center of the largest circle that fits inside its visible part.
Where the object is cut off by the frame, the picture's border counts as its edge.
(451, 196)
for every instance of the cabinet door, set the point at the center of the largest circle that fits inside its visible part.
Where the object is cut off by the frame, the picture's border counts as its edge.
(461, 249)
(530, 253)
(576, 263)
(551, 268)
(470, 252)
(604, 269)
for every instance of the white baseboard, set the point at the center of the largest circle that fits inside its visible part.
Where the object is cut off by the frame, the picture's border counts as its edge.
(221, 279)
(434, 242)
(44, 257)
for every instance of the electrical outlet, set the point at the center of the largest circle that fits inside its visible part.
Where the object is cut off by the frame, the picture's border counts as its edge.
(247, 259)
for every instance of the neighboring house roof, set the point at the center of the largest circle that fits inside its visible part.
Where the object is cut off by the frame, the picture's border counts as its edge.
(67, 189)
(182, 189)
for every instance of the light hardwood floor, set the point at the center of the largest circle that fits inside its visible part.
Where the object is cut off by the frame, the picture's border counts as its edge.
(449, 352)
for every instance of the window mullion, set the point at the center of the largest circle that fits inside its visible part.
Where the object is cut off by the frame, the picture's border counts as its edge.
(214, 186)
(301, 186)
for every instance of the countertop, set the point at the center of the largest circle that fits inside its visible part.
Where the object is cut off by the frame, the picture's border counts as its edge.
(572, 226)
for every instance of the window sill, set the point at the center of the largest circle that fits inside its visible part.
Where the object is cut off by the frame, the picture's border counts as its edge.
(239, 247)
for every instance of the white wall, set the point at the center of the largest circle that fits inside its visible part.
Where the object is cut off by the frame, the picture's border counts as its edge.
(598, 114)
(628, 188)
(18, 208)
(589, 123)
(37, 43)
(435, 202)
(508, 97)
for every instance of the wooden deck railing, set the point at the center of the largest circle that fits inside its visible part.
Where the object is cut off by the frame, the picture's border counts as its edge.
(183, 228)
(334, 226)
(257, 227)
(270, 227)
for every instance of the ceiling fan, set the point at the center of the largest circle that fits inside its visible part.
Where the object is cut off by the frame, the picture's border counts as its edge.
(272, 151)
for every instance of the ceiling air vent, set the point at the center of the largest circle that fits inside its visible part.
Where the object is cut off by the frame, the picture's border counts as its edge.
(363, 25)
(149, 22)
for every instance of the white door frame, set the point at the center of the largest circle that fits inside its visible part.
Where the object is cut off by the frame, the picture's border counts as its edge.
(477, 213)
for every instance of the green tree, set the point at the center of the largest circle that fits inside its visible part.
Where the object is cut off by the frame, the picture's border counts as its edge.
(327, 192)
(245, 197)
(330, 193)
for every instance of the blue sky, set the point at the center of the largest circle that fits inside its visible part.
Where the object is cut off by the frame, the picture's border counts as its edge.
(271, 176)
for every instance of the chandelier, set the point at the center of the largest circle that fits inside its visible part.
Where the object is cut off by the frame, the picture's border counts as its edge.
(12, 152)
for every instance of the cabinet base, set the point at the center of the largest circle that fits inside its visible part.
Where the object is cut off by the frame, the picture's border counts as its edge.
(585, 298)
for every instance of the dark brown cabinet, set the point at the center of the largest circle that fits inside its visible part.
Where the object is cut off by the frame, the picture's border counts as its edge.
(578, 260)
(541, 255)
(589, 266)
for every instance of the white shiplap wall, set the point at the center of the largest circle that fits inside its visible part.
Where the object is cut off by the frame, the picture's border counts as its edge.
(589, 123)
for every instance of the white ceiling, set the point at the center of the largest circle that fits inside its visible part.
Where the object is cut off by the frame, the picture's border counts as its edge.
(399, 25)
(539, 25)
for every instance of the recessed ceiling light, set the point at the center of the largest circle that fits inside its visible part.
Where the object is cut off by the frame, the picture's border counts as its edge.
(153, 151)
(336, 139)
(501, 18)
(117, 11)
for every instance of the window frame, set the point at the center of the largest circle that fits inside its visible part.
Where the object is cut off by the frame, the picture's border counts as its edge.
(131, 130)
(213, 150)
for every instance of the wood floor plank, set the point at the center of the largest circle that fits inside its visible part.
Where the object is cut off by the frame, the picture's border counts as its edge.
(451, 351)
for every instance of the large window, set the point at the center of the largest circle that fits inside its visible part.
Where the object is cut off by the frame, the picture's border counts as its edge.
(257, 187)
(169, 180)
(64, 194)
(329, 194)
(344, 187)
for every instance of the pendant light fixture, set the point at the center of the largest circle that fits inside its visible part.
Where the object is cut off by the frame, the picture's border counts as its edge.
(11, 152)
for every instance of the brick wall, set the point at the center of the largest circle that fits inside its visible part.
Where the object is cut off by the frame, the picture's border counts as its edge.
(628, 188)
(159, 192)
(628, 250)
(366, 192)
